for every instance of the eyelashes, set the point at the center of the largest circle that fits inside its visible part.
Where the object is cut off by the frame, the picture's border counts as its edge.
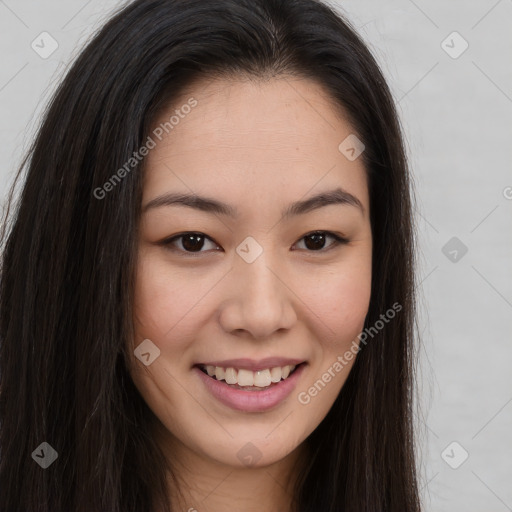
(192, 242)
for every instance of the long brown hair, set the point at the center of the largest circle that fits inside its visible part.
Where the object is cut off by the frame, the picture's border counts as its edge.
(68, 261)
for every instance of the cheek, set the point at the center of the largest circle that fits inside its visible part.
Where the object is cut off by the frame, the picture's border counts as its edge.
(342, 304)
(162, 299)
(340, 301)
(349, 299)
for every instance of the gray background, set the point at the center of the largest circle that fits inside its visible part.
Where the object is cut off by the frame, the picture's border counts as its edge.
(457, 115)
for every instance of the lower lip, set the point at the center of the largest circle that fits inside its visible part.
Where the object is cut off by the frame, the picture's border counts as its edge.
(251, 401)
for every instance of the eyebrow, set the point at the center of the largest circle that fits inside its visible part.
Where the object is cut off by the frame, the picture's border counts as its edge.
(210, 205)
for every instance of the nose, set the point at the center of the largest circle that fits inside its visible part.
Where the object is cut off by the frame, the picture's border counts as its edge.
(259, 300)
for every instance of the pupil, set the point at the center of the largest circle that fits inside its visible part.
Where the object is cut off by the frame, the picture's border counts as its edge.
(192, 242)
(318, 240)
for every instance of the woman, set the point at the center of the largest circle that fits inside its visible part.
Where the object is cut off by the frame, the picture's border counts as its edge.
(207, 288)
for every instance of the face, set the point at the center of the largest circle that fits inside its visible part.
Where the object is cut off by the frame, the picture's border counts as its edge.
(256, 277)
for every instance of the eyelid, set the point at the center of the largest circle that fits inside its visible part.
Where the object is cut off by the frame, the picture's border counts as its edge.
(338, 240)
(167, 242)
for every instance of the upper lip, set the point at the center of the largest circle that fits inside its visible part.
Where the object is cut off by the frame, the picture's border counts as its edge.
(252, 364)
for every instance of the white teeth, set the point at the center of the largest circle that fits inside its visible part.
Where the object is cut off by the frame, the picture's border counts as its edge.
(275, 374)
(247, 378)
(220, 373)
(231, 376)
(262, 378)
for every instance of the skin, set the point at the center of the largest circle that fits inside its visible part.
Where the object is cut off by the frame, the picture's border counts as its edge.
(257, 145)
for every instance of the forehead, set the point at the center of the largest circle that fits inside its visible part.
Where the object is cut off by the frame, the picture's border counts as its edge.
(247, 139)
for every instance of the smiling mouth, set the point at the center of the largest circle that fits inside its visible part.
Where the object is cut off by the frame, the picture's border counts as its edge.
(249, 380)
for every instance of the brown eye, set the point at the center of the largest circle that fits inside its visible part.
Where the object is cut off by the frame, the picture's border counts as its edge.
(190, 242)
(316, 241)
(194, 242)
